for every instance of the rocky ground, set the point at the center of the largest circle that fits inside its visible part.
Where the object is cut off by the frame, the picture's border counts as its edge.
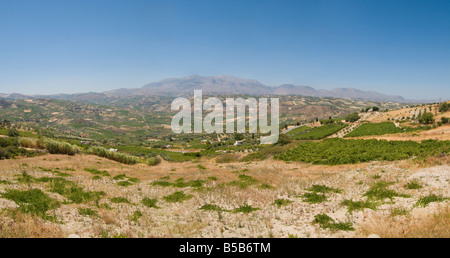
(241, 198)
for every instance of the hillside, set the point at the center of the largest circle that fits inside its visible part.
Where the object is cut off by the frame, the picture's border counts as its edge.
(139, 118)
(83, 170)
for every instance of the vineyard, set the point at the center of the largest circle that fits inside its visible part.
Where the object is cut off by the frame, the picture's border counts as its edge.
(338, 151)
(379, 129)
(318, 133)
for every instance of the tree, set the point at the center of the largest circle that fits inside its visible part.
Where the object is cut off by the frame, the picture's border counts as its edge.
(283, 140)
(445, 120)
(352, 117)
(13, 132)
(239, 137)
(426, 118)
(444, 107)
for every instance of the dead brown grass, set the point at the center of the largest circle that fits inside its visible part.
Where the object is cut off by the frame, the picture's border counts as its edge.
(435, 225)
(19, 225)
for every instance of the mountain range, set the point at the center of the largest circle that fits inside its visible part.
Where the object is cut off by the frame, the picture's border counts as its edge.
(229, 85)
(222, 85)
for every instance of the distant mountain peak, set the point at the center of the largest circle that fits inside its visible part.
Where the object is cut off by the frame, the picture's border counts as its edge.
(231, 85)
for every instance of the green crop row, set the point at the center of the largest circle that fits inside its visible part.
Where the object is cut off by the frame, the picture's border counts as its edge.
(339, 151)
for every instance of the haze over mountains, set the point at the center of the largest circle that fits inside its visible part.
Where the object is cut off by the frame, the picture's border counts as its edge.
(223, 85)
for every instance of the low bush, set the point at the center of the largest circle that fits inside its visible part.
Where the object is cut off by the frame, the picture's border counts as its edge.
(116, 156)
(32, 201)
(57, 147)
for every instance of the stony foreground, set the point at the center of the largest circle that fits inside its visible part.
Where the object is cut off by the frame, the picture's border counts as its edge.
(258, 199)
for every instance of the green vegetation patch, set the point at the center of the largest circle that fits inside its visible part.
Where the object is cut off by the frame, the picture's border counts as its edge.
(95, 171)
(314, 198)
(87, 212)
(180, 183)
(150, 203)
(119, 200)
(413, 185)
(299, 130)
(282, 202)
(379, 191)
(375, 129)
(319, 133)
(426, 200)
(136, 216)
(57, 147)
(212, 207)
(244, 181)
(116, 156)
(245, 208)
(326, 222)
(177, 197)
(71, 190)
(32, 201)
(359, 205)
(126, 180)
(323, 189)
(340, 151)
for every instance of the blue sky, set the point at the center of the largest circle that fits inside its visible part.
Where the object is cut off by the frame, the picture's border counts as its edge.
(397, 47)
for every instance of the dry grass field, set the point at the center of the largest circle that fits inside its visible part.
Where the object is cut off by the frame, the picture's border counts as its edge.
(255, 199)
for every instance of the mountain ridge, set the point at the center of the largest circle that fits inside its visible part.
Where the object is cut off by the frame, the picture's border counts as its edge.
(230, 85)
(225, 85)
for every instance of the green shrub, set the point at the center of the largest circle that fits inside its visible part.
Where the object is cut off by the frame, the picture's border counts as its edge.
(177, 197)
(245, 209)
(150, 203)
(426, 118)
(414, 185)
(227, 158)
(119, 200)
(282, 202)
(71, 190)
(379, 191)
(444, 107)
(244, 181)
(323, 189)
(375, 129)
(6, 142)
(95, 171)
(56, 147)
(136, 216)
(13, 132)
(211, 207)
(32, 201)
(11, 152)
(31, 143)
(87, 212)
(161, 183)
(353, 117)
(116, 156)
(264, 153)
(359, 205)
(426, 200)
(326, 222)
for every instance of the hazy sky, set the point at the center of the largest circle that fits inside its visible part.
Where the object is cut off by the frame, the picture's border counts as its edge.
(397, 47)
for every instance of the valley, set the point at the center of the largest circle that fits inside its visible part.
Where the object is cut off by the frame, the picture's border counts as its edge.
(352, 170)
